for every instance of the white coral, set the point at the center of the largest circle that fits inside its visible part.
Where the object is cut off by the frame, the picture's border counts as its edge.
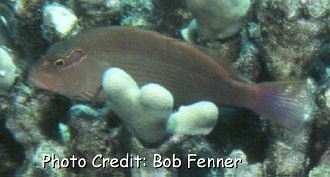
(8, 69)
(58, 20)
(148, 112)
(219, 19)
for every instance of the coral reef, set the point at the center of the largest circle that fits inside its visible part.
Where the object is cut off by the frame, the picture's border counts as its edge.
(264, 40)
(123, 93)
(290, 39)
(154, 105)
(140, 13)
(58, 22)
(25, 113)
(289, 151)
(99, 12)
(219, 19)
(195, 119)
(26, 27)
(8, 69)
(248, 170)
(294, 39)
(320, 171)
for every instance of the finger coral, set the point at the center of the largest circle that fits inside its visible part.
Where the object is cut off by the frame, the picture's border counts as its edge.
(219, 19)
(59, 22)
(195, 119)
(8, 69)
(148, 111)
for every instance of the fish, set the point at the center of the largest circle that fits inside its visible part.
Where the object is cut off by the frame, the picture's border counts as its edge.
(74, 68)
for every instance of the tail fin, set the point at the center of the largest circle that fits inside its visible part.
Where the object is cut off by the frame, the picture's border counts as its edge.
(288, 103)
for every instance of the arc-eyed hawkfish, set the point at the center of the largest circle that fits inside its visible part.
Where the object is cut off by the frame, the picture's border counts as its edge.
(74, 68)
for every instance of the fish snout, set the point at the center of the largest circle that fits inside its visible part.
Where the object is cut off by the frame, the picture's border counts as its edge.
(44, 80)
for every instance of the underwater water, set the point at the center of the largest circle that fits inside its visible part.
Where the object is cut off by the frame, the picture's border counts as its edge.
(165, 88)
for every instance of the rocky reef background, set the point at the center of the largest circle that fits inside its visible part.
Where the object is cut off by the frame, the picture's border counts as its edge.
(275, 40)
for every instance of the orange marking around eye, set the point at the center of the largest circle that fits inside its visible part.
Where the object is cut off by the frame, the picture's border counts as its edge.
(74, 57)
(77, 50)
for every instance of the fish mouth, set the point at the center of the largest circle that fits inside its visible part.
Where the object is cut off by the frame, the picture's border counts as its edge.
(44, 81)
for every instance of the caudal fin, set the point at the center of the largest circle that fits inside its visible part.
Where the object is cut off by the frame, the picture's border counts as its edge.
(288, 103)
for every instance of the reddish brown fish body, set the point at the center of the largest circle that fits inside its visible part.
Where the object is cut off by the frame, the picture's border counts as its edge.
(149, 57)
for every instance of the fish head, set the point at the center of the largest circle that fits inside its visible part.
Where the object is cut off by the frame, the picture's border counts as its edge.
(60, 70)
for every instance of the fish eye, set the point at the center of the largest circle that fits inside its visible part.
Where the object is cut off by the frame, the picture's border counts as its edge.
(59, 62)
